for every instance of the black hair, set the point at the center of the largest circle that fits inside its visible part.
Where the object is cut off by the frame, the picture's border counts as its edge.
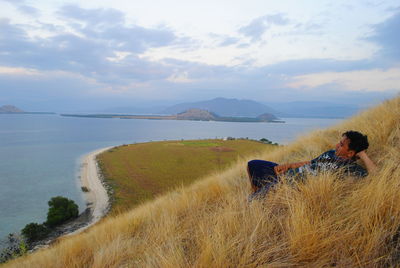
(358, 142)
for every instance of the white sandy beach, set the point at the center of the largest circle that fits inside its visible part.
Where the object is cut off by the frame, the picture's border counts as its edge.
(96, 198)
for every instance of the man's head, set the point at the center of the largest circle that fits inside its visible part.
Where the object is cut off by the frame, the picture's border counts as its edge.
(352, 142)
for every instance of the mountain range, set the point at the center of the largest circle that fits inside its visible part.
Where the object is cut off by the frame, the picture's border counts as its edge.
(250, 108)
(224, 107)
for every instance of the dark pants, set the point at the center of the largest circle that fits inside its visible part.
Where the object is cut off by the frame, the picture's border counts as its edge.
(262, 174)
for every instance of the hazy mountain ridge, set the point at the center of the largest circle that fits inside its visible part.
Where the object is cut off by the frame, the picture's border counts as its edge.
(223, 107)
(250, 108)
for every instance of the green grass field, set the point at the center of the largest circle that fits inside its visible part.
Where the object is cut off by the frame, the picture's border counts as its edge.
(139, 172)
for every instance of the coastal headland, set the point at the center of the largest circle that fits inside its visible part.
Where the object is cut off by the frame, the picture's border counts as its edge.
(149, 169)
(140, 172)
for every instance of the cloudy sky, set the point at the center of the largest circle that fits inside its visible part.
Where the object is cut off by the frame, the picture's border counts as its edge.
(73, 55)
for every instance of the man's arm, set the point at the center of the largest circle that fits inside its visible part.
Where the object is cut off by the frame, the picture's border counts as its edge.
(369, 164)
(280, 169)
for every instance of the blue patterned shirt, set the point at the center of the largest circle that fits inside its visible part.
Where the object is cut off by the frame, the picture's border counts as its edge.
(327, 161)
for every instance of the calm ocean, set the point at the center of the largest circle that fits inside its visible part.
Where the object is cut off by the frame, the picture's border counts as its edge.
(39, 154)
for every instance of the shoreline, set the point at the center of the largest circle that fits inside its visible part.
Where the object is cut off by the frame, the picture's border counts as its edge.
(96, 198)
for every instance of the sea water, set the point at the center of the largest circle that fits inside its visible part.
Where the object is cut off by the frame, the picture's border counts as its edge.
(39, 154)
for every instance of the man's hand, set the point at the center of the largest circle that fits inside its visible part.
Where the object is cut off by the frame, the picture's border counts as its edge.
(280, 169)
(371, 167)
(361, 154)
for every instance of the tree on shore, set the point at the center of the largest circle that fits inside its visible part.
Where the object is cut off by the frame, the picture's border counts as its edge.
(61, 209)
(34, 232)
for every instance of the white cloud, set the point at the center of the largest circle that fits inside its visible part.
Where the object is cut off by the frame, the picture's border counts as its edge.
(368, 80)
(180, 78)
(41, 75)
(119, 56)
(169, 49)
(17, 71)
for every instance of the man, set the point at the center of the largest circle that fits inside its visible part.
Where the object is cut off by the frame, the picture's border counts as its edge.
(264, 174)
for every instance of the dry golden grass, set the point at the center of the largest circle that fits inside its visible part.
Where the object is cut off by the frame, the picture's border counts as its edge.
(324, 222)
(140, 172)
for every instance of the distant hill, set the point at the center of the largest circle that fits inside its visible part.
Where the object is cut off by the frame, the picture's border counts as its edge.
(266, 117)
(10, 109)
(223, 107)
(204, 115)
(196, 114)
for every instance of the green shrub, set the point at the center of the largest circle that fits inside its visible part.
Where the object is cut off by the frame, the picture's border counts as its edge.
(267, 141)
(34, 232)
(61, 209)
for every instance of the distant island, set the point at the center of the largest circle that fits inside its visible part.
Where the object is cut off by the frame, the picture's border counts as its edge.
(11, 109)
(190, 114)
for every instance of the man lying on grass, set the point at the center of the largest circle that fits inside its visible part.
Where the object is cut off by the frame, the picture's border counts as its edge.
(264, 174)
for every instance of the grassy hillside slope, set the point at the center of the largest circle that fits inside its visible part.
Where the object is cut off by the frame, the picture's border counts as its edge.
(139, 172)
(324, 222)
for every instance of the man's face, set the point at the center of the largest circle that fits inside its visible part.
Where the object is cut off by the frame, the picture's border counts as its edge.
(342, 148)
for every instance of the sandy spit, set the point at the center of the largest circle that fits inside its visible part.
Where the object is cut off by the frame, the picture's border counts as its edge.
(96, 198)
